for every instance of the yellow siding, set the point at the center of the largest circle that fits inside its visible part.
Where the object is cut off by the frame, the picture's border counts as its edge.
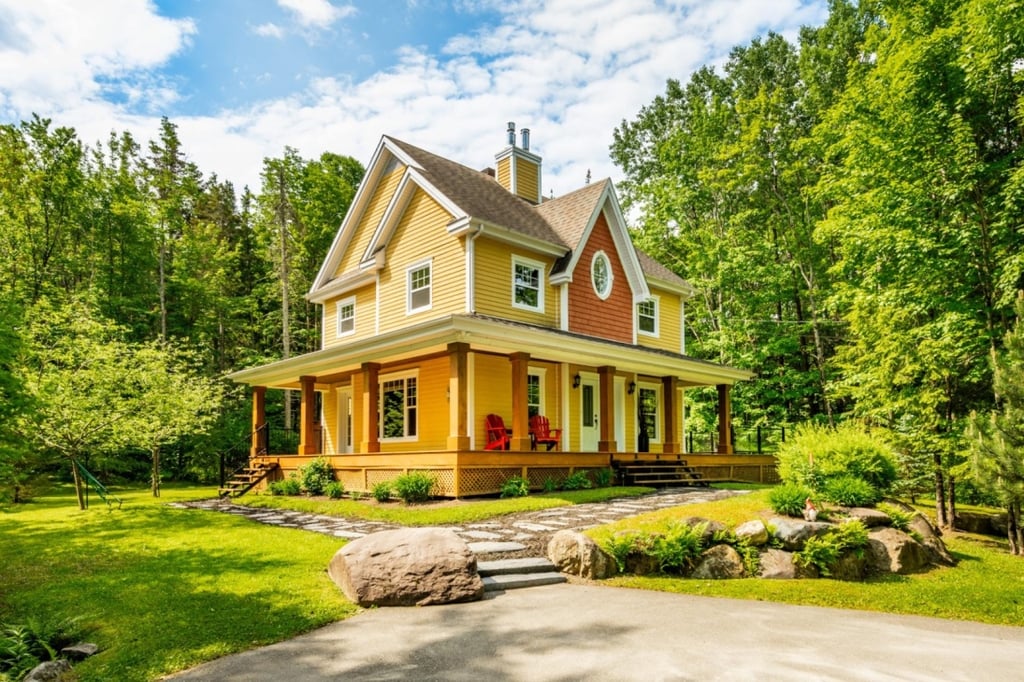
(504, 173)
(432, 406)
(492, 391)
(493, 283)
(375, 208)
(330, 421)
(669, 323)
(527, 181)
(421, 233)
(366, 313)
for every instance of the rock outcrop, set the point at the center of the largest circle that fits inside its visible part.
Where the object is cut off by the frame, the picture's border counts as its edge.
(577, 554)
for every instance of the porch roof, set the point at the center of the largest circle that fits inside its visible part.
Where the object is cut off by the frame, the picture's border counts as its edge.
(487, 334)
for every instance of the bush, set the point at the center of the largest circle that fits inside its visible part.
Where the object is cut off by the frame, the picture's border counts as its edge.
(789, 499)
(24, 646)
(679, 548)
(850, 491)
(334, 490)
(287, 486)
(603, 477)
(315, 476)
(382, 491)
(517, 486)
(817, 454)
(898, 519)
(549, 485)
(414, 487)
(823, 551)
(576, 481)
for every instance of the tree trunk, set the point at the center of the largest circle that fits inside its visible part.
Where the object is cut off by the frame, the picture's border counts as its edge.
(951, 500)
(78, 484)
(1013, 530)
(156, 471)
(940, 494)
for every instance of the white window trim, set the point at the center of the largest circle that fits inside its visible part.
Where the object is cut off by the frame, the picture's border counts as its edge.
(351, 300)
(540, 373)
(657, 314)
(419, 265)
(611, 277)
(656, 436)
(383, 379)
(519, 260)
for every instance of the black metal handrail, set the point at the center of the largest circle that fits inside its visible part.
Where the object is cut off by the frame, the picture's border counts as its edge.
(761, 440)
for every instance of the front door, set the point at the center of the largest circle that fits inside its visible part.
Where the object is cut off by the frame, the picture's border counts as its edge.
(344, 445)
(590, 409)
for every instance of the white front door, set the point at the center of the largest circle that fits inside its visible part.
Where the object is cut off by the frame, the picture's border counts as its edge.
(344, 444)
(590, 410)
(620, 414)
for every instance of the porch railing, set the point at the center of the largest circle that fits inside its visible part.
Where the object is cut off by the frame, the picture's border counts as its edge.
(276, 440)
(762, 440)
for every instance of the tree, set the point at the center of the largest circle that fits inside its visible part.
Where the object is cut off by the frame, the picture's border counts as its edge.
(997, 438)
(18, 463)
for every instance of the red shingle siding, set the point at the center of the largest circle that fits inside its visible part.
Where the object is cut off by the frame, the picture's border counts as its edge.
(588, 314)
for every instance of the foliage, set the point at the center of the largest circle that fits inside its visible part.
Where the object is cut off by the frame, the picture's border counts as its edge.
(334, 490)
(850, 491)
(822, 551)
(603, 477)
(517, 486)
(415, 486)
(898, 519)
(818, 453)
(789, 499)
(316, 476)
(550, 485)
(383, 491)
(679, 548)
(577, 480)
(24, 646)
(286, 486)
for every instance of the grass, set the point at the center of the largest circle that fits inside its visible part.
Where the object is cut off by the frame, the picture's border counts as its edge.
(993, 579)
(437, 513)
(162, 589)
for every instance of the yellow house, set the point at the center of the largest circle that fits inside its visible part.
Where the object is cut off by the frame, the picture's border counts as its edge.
(451, 294)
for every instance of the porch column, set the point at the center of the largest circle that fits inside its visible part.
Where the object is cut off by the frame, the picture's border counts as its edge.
(458, 396)
(520, 408)
(371, 404)
(724, 420)
(259, 419)
(307, 417)
(606, 425)
(670, 422)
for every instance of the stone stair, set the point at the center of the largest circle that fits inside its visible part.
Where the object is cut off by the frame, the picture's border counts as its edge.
(511, 574)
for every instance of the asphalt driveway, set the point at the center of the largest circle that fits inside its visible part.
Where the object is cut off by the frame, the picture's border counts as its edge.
(588, 632)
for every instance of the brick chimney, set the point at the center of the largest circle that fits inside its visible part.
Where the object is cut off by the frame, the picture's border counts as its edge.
(518, 169)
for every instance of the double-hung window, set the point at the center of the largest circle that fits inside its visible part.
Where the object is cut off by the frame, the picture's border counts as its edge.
(398, 408)
(527, 284)
(346, 316)
(533, 395)
(647, 317)
(419, 287)
(647, 411)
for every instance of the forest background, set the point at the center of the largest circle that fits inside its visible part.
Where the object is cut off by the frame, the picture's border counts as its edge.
(849, 206)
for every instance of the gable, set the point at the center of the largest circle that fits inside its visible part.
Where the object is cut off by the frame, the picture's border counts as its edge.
(610, 317)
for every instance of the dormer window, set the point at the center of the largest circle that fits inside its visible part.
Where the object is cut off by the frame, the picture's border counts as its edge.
(527, 284)
(419, 287)
(601, 275)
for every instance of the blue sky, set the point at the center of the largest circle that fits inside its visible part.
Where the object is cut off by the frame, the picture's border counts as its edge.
(244, 78)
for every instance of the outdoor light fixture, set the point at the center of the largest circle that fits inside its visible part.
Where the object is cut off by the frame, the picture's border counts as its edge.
(576, 381)
(632, 387)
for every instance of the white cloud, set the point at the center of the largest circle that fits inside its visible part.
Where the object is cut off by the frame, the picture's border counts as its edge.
(316, 13)
(269, 30)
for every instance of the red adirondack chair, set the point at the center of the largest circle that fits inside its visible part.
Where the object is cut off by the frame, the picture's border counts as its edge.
(498, 437)
(541, 432)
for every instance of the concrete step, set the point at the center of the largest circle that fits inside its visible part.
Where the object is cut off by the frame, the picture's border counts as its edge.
(514, 581)
(509, 566)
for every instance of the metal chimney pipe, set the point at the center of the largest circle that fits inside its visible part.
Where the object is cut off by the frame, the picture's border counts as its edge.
(512, 133)
(526, 139)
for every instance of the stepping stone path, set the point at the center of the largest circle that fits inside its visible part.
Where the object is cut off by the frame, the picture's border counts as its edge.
(488, 539)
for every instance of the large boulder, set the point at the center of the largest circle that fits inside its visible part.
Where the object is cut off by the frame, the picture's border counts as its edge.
(793, 533)
(893, 551)
(577, 554)
(927, 534)
(871, 518)
(982, 523)
(719, 562)
(851, 567)
(754, 532)
(777, 564)
(49, 671)
(407, 567)
(710, 527)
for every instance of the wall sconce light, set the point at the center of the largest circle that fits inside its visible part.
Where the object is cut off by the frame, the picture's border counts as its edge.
(632, 387)
(576, 381)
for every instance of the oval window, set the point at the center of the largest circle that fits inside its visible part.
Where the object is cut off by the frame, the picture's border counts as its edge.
(601, 275)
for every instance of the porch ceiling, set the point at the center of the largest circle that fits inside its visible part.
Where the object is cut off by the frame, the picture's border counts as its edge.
(487, 334)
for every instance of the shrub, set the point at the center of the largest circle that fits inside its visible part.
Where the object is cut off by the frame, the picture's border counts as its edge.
(356, 495)
(850, 491)
(549, 485)
(414, 487)
(24, 646)
(315, 476)
(823, 551)
(620, 546)
(517, 486)
(789, 499)
(287, 486)
(603, 477)
(334, 490)
(679, 548)
(576, 481)
(898, 519)
(382, 491)
(818, 453)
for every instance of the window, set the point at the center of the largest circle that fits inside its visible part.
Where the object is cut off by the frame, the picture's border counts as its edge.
(527, 284)
(601, 275)
(647, 412)
(346, 316)
(533, 395)
(647, 317)
(419, 287)
(398, 408)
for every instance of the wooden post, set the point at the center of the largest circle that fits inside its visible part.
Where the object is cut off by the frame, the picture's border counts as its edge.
(520, 407)
(724, 420)
(458, 397)
(371, 407)
(670, 444)
(606, 427)
(259, 418)
(307, 416)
